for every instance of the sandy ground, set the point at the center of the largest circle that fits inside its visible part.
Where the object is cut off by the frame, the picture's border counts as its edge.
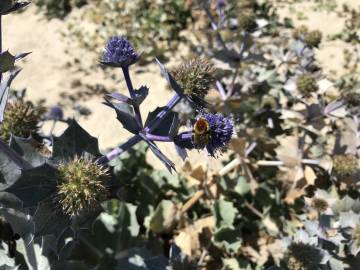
(46, 73)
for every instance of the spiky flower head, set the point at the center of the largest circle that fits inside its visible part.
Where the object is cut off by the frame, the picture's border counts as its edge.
(319, 204)
(306, 84)
(303, 257)
(313, 38)
(213, 132)
(119, 53)
(21, 119)
(247, 21)
(352, 99)
(195, 77)
(81, 185)
(345, 165)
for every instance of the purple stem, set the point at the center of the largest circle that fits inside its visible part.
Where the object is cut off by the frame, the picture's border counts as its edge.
(158, 138)
(132, 94)
(119, 150)
(135, 139)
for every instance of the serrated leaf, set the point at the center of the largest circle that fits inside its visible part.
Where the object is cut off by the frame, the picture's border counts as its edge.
(9, 171)
(15, 6)
(166, 123)
(125, 115)
(75, 141)
(155, 149)
(5, 5)
(7, 61)
(164, 217)
(228, 238)
(224, 212)
(140, 95)
(35, 185)
(4, 91)
(49, 219)
(21, 223)
(26, 148)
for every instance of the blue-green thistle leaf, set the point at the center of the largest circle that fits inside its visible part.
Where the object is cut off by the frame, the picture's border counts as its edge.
(26, 148)
(164, 128)
(125, 115)
(7, 61)
(35, 185)
(4, 92)
(75, 141)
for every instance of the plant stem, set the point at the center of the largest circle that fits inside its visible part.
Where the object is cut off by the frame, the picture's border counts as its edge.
(0, 44)
(135, 139)
(119, 150)
(132, 95)
(161, 115)
(158, 138)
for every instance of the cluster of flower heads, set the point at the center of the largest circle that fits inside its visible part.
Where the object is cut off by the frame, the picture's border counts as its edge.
(194, 77)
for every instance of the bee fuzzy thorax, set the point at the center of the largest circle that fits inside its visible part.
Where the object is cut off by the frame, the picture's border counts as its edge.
(201, 126)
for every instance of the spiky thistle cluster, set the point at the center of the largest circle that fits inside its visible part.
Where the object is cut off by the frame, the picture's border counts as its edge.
(306, 84)
(303, 257)
(82, 185)
(195, 76)
(21, 119)
(247, 21)
(119, 52)
(345, 165)
(319, 204)
(311, 38)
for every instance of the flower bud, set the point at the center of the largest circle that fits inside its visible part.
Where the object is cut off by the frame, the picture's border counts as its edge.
(345, 165)
(313, 38)
(303, 256)
(306, 84)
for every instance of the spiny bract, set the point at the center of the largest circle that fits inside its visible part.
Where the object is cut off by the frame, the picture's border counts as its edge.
(81, 186)
(195, 76)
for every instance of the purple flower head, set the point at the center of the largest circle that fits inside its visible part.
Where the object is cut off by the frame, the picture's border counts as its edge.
(55, 113)
(210, 131)
(221, 3)
(220, 130)
(119, 53)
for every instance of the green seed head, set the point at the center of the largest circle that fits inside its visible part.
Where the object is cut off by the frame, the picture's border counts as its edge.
(81, 185)
(352, 99)
(319, 205)
(247, 21)
(345, 165)
(303, 257)
(313, 38)
(195, 76)
(306, 84)
(21, 119)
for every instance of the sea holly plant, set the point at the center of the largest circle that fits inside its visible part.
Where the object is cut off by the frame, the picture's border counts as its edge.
(52, 193)
(210, 131)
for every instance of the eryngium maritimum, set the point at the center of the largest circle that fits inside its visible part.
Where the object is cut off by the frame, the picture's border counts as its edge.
(119, 53)
(81, 186)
